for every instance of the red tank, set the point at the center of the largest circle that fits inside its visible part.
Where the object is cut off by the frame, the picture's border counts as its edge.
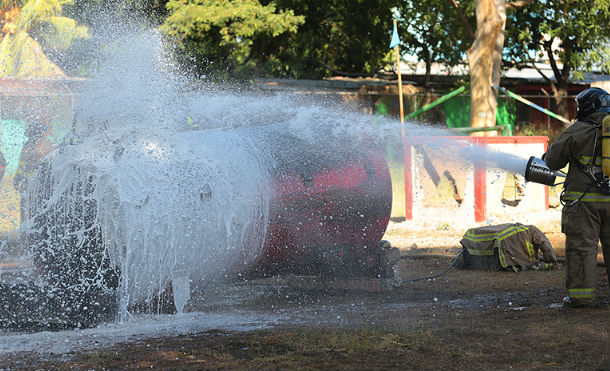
(331, 204)
(329, 199)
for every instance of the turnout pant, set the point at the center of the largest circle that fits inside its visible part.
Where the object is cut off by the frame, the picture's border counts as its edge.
(585, 224)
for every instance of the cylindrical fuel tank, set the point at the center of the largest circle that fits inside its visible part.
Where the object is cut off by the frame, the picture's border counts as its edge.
(330, 204)
(140, 212)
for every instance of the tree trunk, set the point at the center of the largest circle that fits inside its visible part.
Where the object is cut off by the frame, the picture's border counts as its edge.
(499, 48)
(560, 94)
(428, 58)
(496, 73)
(481, 62)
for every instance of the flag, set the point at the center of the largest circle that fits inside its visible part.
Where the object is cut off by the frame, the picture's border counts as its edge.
(395, 39)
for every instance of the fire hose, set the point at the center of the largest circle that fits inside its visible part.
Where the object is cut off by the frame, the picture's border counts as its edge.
(453, 262)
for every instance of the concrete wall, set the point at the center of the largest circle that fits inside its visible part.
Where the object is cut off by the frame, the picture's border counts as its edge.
(452, 183)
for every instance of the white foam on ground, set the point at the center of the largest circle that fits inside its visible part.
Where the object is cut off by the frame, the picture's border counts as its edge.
(61, 342)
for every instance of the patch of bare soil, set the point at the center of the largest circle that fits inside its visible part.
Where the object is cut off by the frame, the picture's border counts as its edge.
(471, 320)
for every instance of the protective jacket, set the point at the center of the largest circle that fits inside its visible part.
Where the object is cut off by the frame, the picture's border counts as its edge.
(516, 246)
(577, 144)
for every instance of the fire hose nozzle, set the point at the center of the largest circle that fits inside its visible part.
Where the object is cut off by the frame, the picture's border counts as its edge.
(537, 171)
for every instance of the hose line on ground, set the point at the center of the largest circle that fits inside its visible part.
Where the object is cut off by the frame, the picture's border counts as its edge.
(453, 262)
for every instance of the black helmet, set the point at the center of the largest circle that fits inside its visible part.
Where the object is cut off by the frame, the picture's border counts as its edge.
(590, 101)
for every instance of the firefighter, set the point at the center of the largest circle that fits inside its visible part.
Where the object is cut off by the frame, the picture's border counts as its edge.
(34, 150)
(585, 218)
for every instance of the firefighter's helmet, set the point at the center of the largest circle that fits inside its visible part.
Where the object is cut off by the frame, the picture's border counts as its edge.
(590, 101)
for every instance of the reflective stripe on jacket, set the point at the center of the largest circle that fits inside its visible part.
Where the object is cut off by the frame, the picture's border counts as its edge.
(588, 197)
(575, 146)
(581, 293)
(517, 245)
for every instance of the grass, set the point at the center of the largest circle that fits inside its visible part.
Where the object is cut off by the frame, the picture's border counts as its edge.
(536, 340)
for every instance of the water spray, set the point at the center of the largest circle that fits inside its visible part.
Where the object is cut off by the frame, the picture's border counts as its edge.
(158, 188)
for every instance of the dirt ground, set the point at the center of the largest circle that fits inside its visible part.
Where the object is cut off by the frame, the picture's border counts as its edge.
(471, 320)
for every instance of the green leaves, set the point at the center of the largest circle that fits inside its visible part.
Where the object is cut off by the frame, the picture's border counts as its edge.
(348, 37)
(60, 32)
(289, 38)
(36, 11)
(227, 30)
(575, 31)
(433, 31)
(21, 55)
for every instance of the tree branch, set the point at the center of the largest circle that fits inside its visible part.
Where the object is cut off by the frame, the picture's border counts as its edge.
(462, 18)
(549, 51)
(533, 64)
(512, 5)
(567, 65)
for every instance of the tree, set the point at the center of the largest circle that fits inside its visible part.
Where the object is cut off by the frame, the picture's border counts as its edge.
(434, 32)
(231, 35)
(485, 58)
(27, 29)
(573, 34)
(339, 37)
(436, 35)
(490, 25)
(287, 38)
